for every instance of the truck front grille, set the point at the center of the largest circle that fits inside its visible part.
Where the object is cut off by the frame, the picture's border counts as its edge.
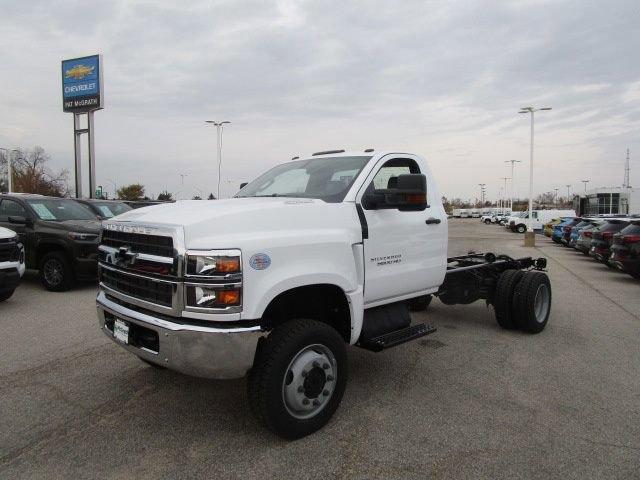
(149, 244)
(8, 251)
(142, 288)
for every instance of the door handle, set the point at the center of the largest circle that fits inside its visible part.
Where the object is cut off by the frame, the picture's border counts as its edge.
(432, 221)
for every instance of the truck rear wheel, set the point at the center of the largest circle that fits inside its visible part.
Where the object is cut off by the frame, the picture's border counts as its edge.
(532, 302)
(420, 304)
(503, 298)
(298, 377)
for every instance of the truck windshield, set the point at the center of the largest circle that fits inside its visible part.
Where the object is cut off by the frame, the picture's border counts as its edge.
(111, 209)
(60, 209)
(324, 178)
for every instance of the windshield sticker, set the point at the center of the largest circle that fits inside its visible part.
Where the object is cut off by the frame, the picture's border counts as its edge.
(106, 212)
(43, 212)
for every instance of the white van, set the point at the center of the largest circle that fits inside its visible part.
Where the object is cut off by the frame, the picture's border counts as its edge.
(539, 218)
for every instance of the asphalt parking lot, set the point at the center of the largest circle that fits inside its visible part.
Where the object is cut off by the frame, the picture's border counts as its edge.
(470, 401)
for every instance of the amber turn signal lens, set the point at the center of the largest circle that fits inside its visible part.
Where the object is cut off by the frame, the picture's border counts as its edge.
(416, 199)
(229, 297)
(228, 264)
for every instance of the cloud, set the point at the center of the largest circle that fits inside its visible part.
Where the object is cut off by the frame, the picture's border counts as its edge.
(441, 78)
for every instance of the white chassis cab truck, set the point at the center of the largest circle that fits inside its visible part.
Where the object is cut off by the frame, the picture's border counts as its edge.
(316, 255)
(11, 262)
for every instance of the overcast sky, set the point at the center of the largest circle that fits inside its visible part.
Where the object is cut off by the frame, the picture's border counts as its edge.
(443, 79)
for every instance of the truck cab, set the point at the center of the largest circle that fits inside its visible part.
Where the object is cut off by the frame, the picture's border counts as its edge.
(318, 253)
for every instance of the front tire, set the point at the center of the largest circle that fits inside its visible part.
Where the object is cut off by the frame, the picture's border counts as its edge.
(521, 229)
(6, 295)
(55, 272)
(298, 377)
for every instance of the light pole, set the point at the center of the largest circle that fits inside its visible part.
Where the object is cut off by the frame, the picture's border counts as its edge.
(555, 201)
(530, 239)
(115, 187)
(568, 194)
(505, 191)
(219, 131)
(182, 175)
(513, 163)
(585, 184)
(9, 168)
(482, 194)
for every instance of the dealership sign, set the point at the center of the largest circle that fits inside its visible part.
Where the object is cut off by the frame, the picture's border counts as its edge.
(82, 84)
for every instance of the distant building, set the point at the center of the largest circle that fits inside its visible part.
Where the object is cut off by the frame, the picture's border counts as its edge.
(608, 201)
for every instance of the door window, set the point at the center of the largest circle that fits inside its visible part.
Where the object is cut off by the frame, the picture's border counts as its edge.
(387, 176)
(11, 208)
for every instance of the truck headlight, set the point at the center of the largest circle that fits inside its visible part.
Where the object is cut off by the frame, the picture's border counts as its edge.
(83, 237)
(214, 263)
(206, 296)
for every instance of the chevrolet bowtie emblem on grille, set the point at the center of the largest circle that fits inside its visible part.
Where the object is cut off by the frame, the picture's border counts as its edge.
(124, 257)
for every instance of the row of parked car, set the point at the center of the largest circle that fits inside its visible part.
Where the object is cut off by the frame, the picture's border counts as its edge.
(612, 240)
(57, 236)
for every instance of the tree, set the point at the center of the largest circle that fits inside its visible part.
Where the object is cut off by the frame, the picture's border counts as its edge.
(135, 191)
(165, 196)
(211, 197)
(196, 197)
(30, 174)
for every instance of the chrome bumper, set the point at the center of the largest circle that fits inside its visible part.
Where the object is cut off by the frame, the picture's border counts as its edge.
(200, 351)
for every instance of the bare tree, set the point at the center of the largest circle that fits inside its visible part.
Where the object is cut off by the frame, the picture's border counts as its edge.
(32, 175)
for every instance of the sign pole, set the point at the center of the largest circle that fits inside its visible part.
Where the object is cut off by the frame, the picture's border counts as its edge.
(92, 156)
(77, 150)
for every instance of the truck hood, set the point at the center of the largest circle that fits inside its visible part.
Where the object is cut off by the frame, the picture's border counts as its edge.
(227, 223)
(81, 226)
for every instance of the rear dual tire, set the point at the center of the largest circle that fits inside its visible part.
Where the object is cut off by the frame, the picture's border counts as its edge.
(523, 300)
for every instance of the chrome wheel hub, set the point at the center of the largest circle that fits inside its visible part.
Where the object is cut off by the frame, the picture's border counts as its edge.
(53, 272)
(541, 304)
(309, 381)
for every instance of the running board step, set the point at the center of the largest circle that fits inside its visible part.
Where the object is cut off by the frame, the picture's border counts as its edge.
(398, 337)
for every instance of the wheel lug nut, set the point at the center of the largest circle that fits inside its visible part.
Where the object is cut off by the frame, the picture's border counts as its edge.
(325, 366)
(316, 403)
(300, 389)
(329, 378)
(305, 401)
(325, 392)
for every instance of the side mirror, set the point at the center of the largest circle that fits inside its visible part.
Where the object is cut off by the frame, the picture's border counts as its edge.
(409, 195)
(243, 184)
(17, 220)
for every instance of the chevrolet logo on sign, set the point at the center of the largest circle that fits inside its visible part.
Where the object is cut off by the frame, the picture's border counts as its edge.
(79, 72)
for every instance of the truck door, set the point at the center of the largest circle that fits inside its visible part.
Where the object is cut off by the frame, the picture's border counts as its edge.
(405, 251)
(12, 208)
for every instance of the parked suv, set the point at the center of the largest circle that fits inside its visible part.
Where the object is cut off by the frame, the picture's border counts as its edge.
(11, 263)
(583, 243)
(105, 209)
(603, 238)
(625, 251)
(60, 237)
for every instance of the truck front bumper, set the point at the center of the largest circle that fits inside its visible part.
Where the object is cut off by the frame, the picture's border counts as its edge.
(197, 350)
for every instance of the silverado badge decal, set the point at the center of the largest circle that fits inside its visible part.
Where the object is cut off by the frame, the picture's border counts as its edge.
(387, 259)
(260, 261)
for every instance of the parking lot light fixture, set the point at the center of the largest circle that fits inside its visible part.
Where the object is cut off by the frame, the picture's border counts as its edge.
(513, 163)
(585, 184)
(530, 238)
(219, 131)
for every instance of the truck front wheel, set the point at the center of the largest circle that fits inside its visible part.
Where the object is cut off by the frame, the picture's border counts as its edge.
(298, 377)
(55, 272)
